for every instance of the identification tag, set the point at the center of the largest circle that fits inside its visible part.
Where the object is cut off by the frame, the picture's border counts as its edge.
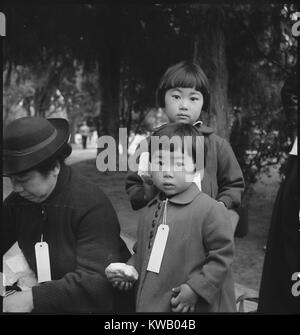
(158, 248)
(42, 261)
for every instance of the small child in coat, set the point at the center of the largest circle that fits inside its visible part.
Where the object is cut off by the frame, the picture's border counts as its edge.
(183, 93)
(184, 249)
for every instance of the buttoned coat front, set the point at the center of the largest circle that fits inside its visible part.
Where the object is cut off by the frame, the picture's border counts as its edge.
(199, 251)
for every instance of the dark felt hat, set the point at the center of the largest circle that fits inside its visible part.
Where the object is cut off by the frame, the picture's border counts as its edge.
(28, 141)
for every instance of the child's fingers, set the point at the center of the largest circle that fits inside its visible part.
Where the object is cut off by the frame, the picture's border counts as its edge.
(185, 309)
(115, 276)
(122, 286)
(175, 293)
(174, 301)
(128, 286)
(115, 283)
(176, 290)
(178, 308)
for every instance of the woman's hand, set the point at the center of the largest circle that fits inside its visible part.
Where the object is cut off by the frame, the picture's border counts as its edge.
(184, 299)
(19, 302)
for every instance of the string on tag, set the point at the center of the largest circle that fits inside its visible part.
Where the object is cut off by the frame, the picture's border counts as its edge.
(42, 236)
(165, 212)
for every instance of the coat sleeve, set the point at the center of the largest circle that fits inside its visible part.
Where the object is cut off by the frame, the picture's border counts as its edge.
(230, 177)
(135, 187)
(217, 236)
(86, 289)
(8, 227)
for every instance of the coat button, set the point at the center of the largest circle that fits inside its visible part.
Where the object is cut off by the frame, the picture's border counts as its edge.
(156, 214)
(151, 234)
(159, 205)
(149, 245)
(153, 223)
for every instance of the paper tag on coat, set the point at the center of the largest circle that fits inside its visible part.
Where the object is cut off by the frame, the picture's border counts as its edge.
(294, 150)
(197, 180)
(158, 248)
(42, 261)
(144, 164)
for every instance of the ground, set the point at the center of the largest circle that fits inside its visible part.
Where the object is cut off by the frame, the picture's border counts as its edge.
(249, 258)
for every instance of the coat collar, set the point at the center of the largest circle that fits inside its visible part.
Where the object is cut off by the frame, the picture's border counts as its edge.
(183, 198)
(204, 130)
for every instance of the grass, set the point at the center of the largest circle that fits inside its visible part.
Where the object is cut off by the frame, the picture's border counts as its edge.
(249, 258)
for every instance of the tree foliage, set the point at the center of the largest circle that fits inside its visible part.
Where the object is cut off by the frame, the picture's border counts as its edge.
(105, 61)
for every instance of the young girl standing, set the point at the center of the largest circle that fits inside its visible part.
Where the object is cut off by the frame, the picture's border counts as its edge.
(184, 246)
(183, 93)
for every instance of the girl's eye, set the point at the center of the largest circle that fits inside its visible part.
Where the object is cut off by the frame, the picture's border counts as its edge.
(175, 96)
(194, 99)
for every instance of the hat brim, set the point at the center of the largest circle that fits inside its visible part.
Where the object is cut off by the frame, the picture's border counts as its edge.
(14, 165)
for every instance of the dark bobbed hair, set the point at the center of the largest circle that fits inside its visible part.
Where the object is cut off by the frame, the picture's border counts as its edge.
(50, 163)
(181, 130)
(184, 74)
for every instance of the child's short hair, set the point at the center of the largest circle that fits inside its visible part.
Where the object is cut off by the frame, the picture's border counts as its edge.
(181, 130)
(187, 75)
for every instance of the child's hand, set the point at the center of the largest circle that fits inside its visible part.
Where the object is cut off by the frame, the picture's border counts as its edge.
(184, 299)
(121, 275)
(122, 285)
(149, 188)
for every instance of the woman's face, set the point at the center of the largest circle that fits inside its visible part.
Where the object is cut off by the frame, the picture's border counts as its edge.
(33, 185)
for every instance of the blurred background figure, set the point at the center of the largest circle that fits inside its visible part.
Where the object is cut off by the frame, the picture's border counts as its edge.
(85, 133)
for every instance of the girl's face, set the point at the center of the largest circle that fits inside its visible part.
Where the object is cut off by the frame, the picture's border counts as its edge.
(172, 172)
(183, 104)
(33, 185)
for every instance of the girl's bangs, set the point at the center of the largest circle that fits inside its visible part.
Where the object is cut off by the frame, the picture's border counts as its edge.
(186, 79)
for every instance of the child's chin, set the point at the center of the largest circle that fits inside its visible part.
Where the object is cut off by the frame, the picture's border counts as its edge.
(170, 192)
(184, 120)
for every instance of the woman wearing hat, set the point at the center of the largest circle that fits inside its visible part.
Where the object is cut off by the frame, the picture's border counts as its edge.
(65, 226)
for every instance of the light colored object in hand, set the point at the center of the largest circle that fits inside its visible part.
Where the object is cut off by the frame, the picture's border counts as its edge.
(121, 272)
(17, 270)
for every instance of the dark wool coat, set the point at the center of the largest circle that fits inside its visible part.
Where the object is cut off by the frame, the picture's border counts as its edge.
(82, 230)
(199, 252)
(282, 257)
(223, 179)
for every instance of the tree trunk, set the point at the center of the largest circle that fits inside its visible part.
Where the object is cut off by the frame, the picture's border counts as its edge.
(209, 51)
(109, 77)
(43, 94)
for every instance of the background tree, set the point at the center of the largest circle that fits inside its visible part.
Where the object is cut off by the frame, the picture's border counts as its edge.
(104, 62)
